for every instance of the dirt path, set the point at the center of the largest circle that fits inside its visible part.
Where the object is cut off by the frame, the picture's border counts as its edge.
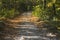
(25, 17)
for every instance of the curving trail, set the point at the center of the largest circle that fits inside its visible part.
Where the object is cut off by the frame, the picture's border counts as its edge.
(26, 30)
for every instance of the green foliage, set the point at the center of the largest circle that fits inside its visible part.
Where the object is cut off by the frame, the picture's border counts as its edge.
(7, 13)
(39, 12)
(11, 8)
(50, 13)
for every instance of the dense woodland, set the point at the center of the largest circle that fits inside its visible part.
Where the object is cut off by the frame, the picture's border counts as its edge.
(46, 10)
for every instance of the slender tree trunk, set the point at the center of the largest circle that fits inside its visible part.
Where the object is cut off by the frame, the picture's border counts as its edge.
(53, 12)
(44, 4)
(54, 9)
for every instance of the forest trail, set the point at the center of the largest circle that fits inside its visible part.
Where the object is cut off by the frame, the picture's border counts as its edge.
(25, 29)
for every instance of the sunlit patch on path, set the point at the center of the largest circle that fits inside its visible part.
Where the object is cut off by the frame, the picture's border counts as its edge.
(32, 38)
